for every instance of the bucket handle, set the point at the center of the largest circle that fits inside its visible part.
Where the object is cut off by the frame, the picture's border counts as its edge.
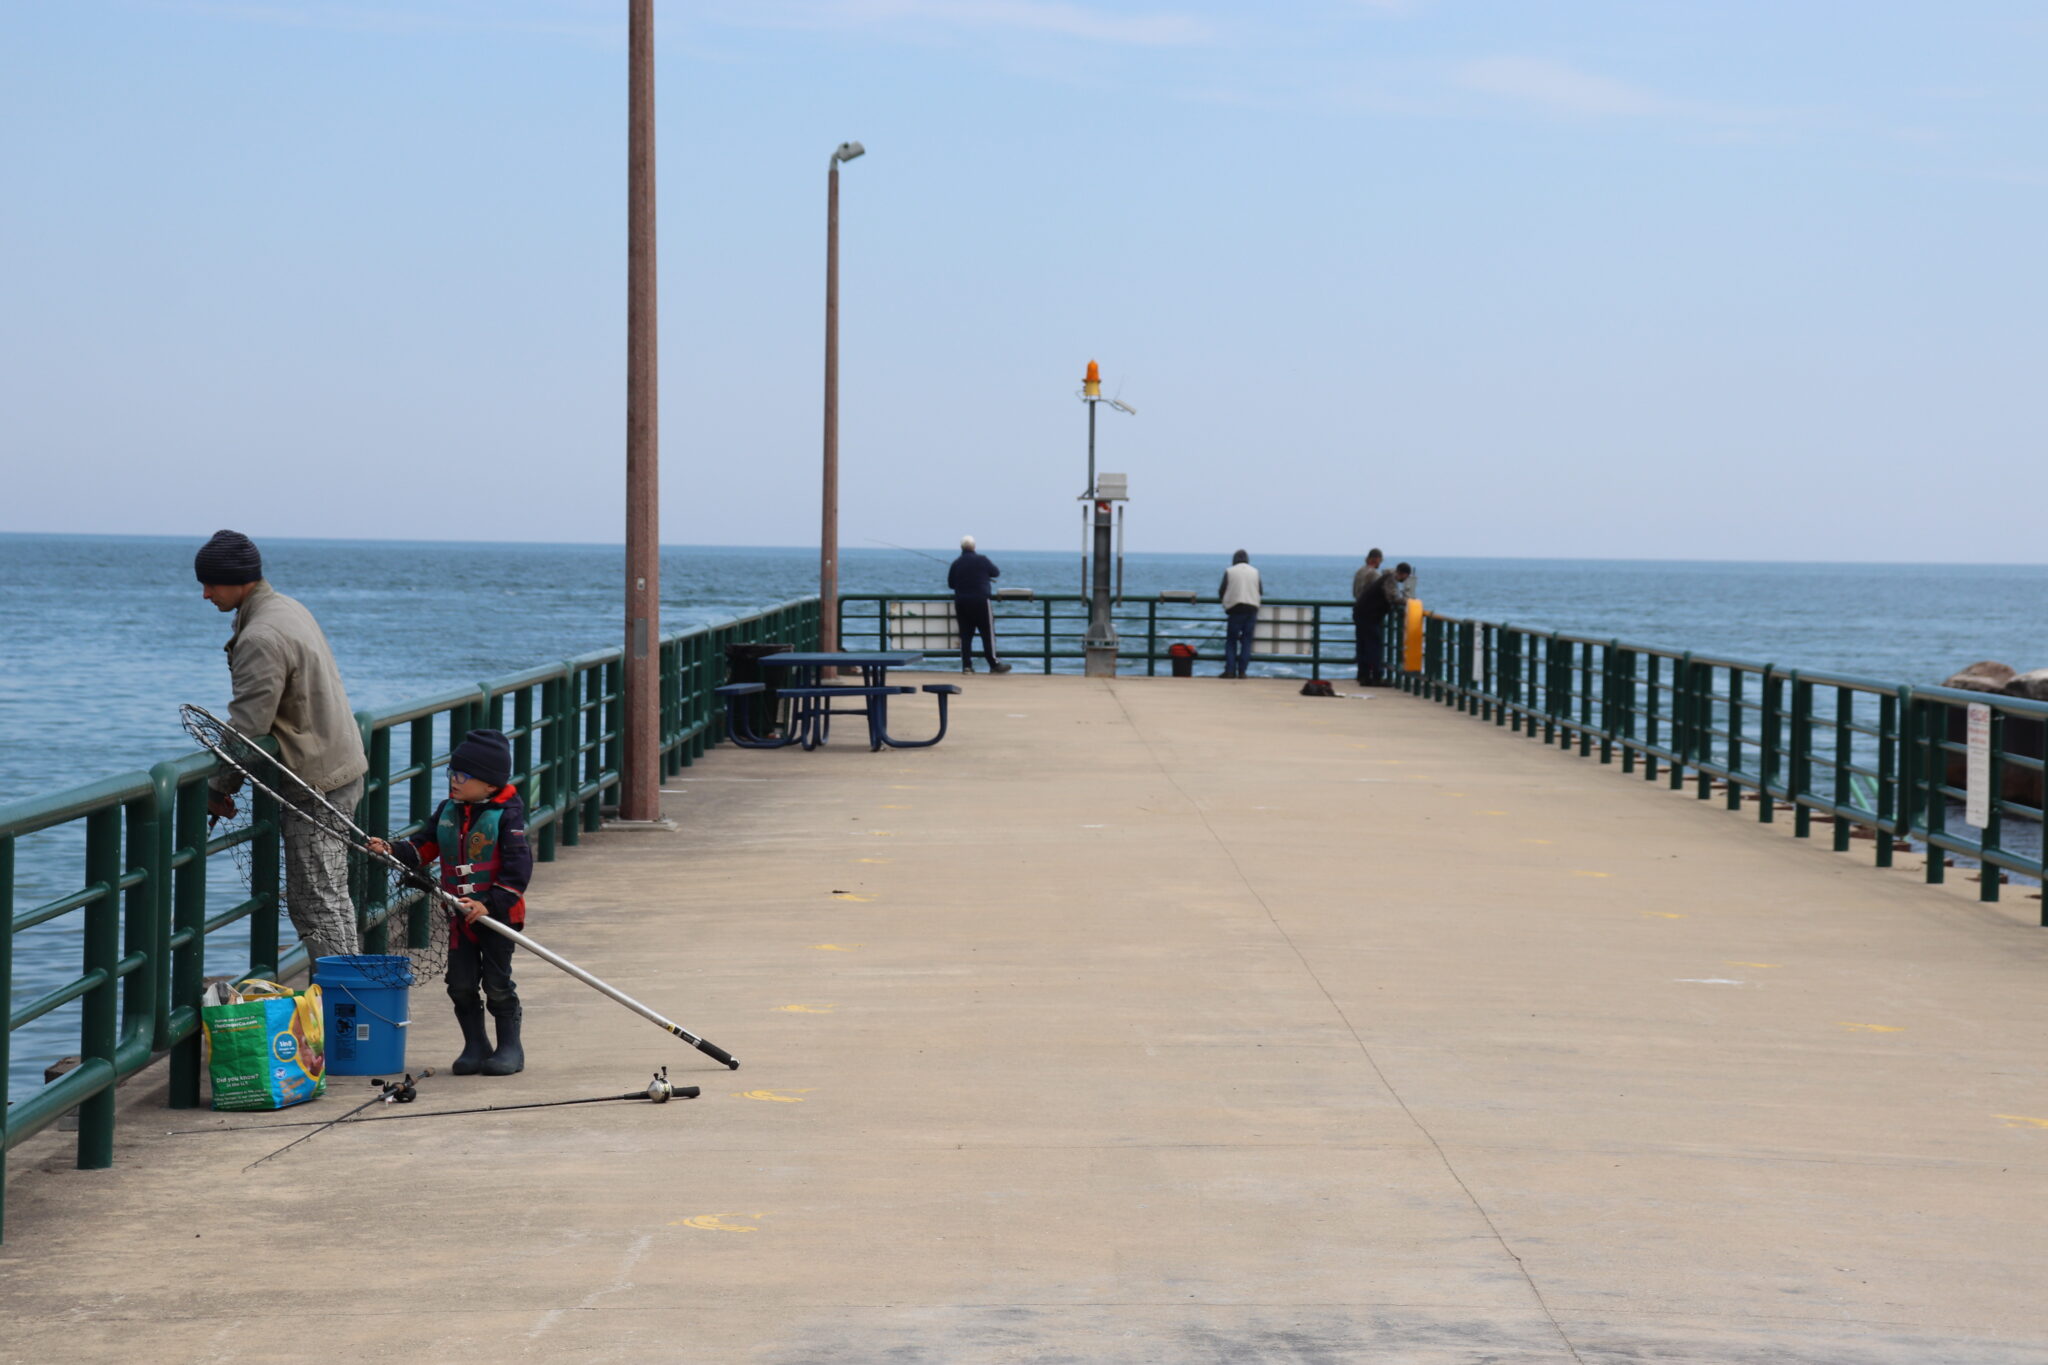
(395, 1023)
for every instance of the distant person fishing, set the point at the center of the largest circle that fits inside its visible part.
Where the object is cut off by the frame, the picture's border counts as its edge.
(972, 578)
(1239, 593)
(1381, 595)
(287, 685)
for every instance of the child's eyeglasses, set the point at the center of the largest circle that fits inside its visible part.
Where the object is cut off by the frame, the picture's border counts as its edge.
(456, 779)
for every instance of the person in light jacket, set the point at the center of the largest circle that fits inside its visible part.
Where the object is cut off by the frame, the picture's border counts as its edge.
(287, 685)
(1240, 596)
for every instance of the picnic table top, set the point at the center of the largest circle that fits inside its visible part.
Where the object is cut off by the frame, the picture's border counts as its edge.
(869, 658)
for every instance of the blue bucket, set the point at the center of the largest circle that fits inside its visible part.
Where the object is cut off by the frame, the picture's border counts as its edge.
(364, 1014)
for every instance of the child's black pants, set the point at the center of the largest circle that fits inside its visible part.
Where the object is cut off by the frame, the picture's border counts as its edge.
(479, 957)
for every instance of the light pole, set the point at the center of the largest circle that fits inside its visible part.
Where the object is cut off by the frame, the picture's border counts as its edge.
(640, 775)
(828, 535)
(1099, 646)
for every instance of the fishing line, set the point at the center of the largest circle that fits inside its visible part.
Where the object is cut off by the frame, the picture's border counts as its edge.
(388, 1092)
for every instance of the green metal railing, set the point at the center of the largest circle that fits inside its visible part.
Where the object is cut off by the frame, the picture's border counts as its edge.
(1046, 628)
(147, 915)
(1877, 759)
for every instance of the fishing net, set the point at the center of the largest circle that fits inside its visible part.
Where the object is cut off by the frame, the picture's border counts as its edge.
(408, 939)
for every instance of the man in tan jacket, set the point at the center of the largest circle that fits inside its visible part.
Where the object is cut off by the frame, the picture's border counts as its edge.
(286, 685)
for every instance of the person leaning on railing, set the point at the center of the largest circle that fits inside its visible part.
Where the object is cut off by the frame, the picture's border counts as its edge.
(287, 685)
(1239, 593)
(1385, 595)
(1365, 626)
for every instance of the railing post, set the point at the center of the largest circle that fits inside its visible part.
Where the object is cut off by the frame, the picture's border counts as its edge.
(98, 1021)
(1992, 835)
(1888, 754)
(1845, 709)
(1623, 682)
(1735, 692)
(1802, 756)
(1653, 713)
(265, 860)
(163, 847)
(142, 930)
(1934, 766)
(188, 916)
(1610, 683)
(1767, 752)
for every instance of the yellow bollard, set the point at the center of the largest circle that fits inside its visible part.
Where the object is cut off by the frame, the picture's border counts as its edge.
(1411, 638)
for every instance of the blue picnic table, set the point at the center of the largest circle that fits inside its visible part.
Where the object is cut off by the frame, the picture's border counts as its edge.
(814, 701)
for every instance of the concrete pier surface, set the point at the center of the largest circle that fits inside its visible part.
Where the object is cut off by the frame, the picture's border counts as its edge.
(1148, 1020)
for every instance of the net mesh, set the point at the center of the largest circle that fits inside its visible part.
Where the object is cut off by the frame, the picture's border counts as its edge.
(407, 940)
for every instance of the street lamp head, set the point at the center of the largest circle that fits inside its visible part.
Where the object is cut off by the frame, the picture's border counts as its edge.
(847, 151)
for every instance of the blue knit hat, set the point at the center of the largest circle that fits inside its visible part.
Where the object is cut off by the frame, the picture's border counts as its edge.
(228, 560)
(485, 755)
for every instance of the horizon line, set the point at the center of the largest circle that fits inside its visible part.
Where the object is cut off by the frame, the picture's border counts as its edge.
(199, 539)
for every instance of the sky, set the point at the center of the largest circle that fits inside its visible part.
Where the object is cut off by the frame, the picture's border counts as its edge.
(1583, 279)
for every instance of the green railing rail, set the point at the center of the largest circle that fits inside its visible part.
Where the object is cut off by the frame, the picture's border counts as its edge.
(146, 912)
(1878, 757)
(1047, 627)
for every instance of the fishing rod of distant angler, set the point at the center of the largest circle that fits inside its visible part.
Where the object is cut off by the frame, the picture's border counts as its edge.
(209, 729)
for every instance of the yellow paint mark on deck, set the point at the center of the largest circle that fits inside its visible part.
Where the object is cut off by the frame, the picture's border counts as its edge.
(1535, 841)
(1869, 1028)
(850, 896)
(715, 1222)
(774, 1096)
(901, 787)
(895, 808)
(837, 947)
(1454, 793)
(874, 860)
(883, 833)
(806, 1009)
(1662, 914)
(1582, 872)
(2021, 1121)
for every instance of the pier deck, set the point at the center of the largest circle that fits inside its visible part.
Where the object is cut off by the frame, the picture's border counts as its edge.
(1149, 1021)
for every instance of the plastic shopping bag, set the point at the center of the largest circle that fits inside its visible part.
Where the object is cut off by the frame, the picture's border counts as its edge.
(268, 1049)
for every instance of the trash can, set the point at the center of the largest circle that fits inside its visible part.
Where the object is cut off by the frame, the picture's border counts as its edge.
(742, 664)
(1183, 657)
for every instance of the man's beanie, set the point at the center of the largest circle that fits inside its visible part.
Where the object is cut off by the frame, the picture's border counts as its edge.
(485, 755)
(229, 559)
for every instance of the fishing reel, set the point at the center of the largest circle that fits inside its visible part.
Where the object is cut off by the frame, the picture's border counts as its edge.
(659, 1091)
(400, 1092)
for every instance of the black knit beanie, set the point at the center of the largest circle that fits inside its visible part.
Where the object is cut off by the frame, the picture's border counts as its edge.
(228, 560)
(485, 755)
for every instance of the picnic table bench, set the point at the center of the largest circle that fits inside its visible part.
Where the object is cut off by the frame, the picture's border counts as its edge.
(815, 701)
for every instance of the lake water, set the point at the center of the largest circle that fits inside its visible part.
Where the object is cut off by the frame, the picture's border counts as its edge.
(102, 637)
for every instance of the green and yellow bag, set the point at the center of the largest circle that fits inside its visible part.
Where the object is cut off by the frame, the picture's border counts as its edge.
(268, 1047)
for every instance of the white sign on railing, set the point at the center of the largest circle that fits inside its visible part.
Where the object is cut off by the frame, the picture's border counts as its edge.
(1977, 767)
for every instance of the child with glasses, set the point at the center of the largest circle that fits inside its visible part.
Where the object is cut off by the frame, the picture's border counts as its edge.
(479, 835)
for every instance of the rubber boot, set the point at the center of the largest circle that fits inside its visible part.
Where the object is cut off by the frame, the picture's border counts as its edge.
(476, 1044)
(510, 1057)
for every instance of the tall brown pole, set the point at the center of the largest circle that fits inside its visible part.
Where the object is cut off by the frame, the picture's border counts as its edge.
(640, 780)
(828, 536)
